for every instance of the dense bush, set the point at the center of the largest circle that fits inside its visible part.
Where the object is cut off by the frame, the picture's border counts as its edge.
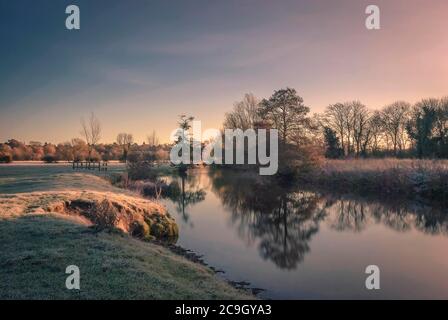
(5, 158)
(50, 158)
(140, 165)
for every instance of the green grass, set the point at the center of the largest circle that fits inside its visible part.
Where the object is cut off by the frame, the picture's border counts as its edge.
(35, 250)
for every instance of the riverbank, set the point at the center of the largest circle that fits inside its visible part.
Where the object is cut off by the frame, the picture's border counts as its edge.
(100, 229)
(37, 248)
(427, 179)
(132, 215)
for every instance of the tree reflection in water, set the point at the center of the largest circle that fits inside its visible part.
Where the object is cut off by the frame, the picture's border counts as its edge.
(185, 192)
(355, 214)
(283, 220)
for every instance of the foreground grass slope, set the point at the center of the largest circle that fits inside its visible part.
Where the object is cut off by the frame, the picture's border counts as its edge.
(52, 224)
(35, 250)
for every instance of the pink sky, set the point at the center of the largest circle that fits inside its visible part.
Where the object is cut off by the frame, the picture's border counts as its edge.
(141, 83)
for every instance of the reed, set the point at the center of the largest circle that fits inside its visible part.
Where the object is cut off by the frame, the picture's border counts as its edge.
(408, 177)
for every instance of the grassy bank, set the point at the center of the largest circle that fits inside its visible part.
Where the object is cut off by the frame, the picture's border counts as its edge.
(37, 248)
(133, 215)
(388, 177)
(80, 219)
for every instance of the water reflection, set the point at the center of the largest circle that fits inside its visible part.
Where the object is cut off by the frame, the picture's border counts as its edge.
(303, 243)
(356, 214)
(285, 219)
(185, 192)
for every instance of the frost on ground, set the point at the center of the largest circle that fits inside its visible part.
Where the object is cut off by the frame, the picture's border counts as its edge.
(72, 219)
(137, 216)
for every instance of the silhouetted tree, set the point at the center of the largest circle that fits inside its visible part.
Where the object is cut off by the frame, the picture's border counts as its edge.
(125, 140)
(420, 126)
(244, 114)
(91, 130)
(285, 111)
(395, 117)
(152, 139)
(333, 147)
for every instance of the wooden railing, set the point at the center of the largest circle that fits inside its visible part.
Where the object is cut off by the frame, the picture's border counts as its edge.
(90, 165)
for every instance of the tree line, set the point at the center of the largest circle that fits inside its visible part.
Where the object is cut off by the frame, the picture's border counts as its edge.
(86, 149)
(76, 150)
(398, 129)
(348, 129)
(344, 129)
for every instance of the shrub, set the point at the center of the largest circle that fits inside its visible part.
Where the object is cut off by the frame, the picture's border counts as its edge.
(95, 157)
(116, 179)
(5, 158)
(49, 158)
(140, 165)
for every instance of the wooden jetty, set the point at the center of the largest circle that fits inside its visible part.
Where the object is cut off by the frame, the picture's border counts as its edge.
(90, 165)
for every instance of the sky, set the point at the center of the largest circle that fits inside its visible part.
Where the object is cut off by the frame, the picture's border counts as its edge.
(139, 64)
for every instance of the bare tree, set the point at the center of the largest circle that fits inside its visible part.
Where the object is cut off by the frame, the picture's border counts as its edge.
(376, 131)
(335, 118)
(244, 114)
(360, 124)
(91, 130)
(348, 120)
(395, 117)
(153, 139)
(125, 140)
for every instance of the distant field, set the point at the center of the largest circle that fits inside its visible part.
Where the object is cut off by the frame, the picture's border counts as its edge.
(25, 177)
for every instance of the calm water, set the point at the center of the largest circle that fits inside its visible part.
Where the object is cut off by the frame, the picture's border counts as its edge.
(298, 244)
(295, 244)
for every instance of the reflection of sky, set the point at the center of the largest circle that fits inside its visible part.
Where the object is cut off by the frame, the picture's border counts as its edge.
(138, 64)
(351, 235)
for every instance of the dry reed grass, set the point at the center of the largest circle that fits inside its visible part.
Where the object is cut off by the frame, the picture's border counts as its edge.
(407, 177)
